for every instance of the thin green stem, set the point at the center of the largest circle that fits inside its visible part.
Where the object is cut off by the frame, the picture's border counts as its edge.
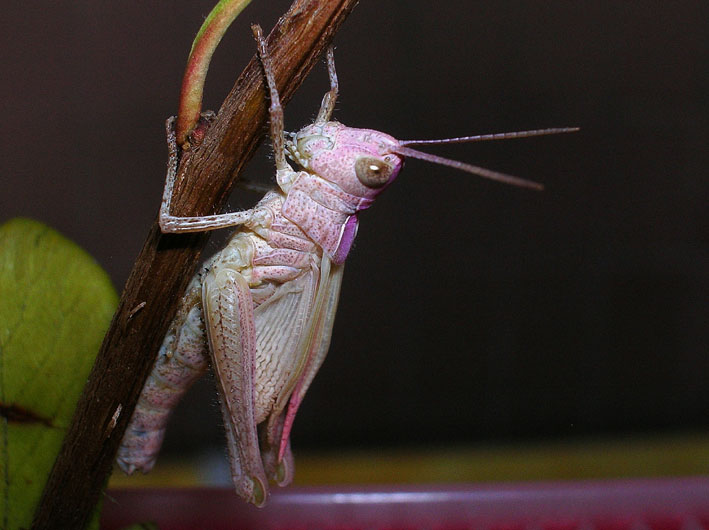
(206, 41)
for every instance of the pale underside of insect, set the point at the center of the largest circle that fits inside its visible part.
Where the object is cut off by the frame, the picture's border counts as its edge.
(261, 310)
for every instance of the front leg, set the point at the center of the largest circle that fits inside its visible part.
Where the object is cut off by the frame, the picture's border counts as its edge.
(327, 107)
(174, 224)
(229, 318)
(275, 110)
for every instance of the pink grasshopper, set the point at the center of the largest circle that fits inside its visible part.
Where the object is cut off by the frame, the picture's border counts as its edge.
(264, 306)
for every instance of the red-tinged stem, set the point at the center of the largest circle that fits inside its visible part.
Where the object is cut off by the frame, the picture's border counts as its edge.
(203, 46)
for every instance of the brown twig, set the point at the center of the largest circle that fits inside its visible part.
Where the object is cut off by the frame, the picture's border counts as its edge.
(166, 262)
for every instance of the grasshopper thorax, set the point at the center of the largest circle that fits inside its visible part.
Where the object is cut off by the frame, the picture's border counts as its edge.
(360, 162)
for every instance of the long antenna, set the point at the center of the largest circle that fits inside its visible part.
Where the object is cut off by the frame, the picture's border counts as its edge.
(494, 136)
(469, 168)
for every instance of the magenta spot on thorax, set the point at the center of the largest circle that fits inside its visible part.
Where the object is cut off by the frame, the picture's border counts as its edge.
(348, 235)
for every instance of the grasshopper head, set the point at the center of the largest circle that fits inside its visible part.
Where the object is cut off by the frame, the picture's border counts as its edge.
(361, 162)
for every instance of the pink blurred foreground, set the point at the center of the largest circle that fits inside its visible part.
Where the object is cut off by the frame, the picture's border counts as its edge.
(658, 504)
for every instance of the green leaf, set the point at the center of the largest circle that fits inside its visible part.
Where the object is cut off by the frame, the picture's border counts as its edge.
(55, 306)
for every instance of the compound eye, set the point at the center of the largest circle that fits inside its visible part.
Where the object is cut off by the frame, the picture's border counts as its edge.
(373, 172)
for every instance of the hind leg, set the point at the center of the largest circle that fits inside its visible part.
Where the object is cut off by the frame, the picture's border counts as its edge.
(181, 361)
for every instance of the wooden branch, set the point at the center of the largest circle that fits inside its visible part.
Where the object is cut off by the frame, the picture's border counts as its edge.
(166, 263)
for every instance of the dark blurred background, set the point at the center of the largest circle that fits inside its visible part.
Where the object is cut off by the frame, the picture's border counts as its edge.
(471, 312)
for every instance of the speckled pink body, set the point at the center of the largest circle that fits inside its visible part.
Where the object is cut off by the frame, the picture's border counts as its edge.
(324, 199)
(264, 305)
